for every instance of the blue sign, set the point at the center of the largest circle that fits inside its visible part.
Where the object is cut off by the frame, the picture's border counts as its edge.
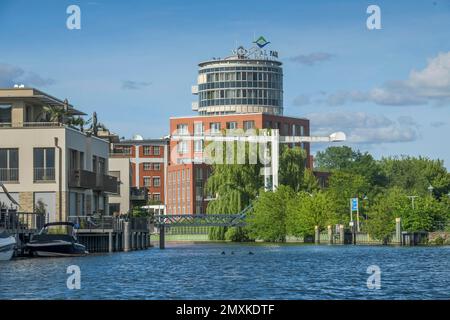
(354, 204)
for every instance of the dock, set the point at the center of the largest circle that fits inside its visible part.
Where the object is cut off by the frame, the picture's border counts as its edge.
(105, 234)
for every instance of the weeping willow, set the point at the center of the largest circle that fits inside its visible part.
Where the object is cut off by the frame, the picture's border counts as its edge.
(234, 186)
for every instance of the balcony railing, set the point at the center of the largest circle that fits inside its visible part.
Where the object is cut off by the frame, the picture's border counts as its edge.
(138, 194)
(39, 124)
(44, 174)
(91, 180)
(9, 174)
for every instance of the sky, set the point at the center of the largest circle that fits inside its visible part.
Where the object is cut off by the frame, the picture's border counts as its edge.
(134, 62)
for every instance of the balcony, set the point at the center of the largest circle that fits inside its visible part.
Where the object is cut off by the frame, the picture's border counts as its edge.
(39, 124)
(9, 175)
(138, 194)
(91, 180)
(44, 174)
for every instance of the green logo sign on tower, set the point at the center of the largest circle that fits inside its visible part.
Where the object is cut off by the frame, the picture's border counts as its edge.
(261, 42)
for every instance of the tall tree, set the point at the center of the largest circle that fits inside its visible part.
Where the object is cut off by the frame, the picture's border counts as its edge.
(307, 210)
(292, 167)
(268, 219)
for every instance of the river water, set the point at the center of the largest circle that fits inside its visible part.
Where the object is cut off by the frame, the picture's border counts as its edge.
(255, 271)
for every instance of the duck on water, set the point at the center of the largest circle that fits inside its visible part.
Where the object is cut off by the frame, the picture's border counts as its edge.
(56, 239)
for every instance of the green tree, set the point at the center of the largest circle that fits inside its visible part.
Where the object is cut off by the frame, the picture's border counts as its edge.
(268, 218)
(342, 187)
(344, 159)
(391, 204)
(234, 187)
(416, 174)
(292, 167)
(305, 211)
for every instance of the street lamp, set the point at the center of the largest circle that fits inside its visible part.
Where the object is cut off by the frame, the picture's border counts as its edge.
(431, 188)
(412, 200)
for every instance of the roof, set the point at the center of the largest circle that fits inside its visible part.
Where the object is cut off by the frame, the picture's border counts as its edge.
(34, 95)
(160, 141)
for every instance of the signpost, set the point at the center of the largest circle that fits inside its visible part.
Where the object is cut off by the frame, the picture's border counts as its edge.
(354, 206)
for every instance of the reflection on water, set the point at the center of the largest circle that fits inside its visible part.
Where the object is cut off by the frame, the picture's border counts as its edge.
(200, 271)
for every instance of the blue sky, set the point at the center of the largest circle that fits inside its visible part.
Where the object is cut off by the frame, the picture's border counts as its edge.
(134, 62)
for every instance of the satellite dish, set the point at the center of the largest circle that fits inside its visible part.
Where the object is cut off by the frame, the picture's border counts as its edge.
(138, 137)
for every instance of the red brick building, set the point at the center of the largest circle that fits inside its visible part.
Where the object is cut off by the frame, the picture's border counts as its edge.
(187, 177)
(149, 161)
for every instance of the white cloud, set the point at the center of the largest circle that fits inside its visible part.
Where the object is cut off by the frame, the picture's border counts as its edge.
(11, 75)
(364, 128)
(430, 85)
(311, 58)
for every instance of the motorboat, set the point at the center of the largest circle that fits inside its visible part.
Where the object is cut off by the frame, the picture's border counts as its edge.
(7, 246)
(56, 239)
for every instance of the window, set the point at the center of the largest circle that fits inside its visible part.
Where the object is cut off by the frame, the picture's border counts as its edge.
(147, 181)
(198, 146)
(249, 125)
(182, 129)
(182, 147)
(157, 196)
(44, 164)
(214, 127)
(156, 181)
(147, 166)
(157, 166)
(5, 113)
(9, 164)
(198, 128)
(147, 150)
(156, 150)
(76, 160)
(232, 125)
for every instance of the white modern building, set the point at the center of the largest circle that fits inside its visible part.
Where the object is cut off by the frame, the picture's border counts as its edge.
(47, 164)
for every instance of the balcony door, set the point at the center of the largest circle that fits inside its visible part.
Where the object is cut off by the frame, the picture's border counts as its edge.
(9, 165)
(44, 164)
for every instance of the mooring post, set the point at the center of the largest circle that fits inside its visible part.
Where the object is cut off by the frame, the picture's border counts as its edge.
(161, 236)
(330, 235)
(317, 234)
(341, 234)
(126, 236)
(398, 230)
(110, 242)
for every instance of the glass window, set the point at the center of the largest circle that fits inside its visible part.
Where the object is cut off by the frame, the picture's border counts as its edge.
(147, 150)
(198, 128)
(249, 124)
(147, 181)
(198, 146)
(44, 164)
(214, 127)
(232, 125)
(156, 166)
(5, 113)
(156, 181)
(156, 150)
(147, 166)
(182, 129)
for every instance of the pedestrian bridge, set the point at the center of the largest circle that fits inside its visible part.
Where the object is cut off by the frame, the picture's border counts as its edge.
(198, 220)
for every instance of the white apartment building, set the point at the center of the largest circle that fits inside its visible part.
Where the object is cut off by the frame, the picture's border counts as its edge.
(46, 164)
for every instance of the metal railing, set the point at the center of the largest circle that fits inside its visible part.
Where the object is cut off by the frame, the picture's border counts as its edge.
(9, 174)
(13, 221)
(44, 174)
(109, 223)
